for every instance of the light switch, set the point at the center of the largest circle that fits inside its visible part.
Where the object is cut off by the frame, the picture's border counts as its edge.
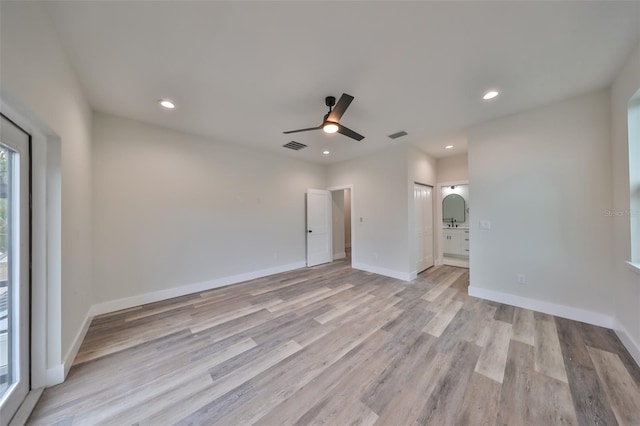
(485, 224)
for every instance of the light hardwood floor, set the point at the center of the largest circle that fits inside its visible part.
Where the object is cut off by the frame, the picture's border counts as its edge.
(333, 345)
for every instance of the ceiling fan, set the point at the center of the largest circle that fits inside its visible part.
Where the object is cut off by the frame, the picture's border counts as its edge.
(330, 122)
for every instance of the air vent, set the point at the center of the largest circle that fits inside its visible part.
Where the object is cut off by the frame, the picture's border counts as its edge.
(398, 134)
(296, 146)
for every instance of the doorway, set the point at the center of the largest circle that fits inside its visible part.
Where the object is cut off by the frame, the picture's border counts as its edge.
(454, 214)
(341, 215)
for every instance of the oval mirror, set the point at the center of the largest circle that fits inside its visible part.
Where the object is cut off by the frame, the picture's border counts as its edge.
(453, 209)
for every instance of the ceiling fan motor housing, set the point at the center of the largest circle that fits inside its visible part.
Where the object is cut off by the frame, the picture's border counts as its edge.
(330, 101)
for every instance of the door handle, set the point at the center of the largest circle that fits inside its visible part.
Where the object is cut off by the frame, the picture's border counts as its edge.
(310, 231)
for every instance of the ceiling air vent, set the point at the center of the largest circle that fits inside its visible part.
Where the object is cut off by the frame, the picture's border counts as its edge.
(398, 134)
(296, 146)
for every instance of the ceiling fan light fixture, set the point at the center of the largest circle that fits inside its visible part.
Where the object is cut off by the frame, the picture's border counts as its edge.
(330, 127)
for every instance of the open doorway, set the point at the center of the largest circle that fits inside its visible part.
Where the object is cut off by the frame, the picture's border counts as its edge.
(341, 203)
(454, 213)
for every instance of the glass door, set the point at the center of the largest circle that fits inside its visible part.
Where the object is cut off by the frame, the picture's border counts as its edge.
(14, 268)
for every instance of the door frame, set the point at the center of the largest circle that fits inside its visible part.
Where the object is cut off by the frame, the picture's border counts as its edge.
(47, 363)
(414, 274)
(20, 213)
(353, 217)
(439, 258)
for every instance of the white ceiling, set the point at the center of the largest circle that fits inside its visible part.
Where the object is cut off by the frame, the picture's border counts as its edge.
(243, 72)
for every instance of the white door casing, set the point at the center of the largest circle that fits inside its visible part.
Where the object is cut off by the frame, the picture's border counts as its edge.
(319, 243)
(14, 326)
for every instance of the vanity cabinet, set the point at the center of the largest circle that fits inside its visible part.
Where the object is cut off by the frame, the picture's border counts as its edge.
(456, 242)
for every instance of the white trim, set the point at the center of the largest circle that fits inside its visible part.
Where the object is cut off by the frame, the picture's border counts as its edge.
(40, 222)
(634, 266)
(563, 311)
(55, 375)
(625, 337)
(156, 296)
(77, 342)
(404, 276)
(413, 275)
(26, 408)
(337, 256)
(46, 312)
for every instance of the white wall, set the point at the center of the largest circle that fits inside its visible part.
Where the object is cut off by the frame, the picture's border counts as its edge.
(626, 284)
(453, 169)
(380, 240)
(543, 179)
(383, 198)
(338, 222)
(36, 72)
(174, 210)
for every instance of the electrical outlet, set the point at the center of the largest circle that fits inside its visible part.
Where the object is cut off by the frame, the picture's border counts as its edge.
(522, 279)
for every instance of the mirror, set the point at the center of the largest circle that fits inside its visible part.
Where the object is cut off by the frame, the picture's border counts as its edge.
(453, 209)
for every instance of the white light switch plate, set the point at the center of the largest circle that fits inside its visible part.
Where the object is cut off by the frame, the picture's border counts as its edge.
(485, 224)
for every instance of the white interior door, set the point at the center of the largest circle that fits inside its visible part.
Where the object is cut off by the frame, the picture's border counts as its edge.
(423, 202)
(318, 227)
(14, 269)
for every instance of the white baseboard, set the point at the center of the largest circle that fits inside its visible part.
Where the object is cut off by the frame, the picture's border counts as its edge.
(632, 346)
(562, 311)
(57, 374)
(405, 276)
(77, 342)
(54, 375)
(337, 256)
(156, 296)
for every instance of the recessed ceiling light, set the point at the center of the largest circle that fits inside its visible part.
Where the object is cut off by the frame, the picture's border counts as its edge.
(490, 95)
(167, 103)
(448, 147)
(326, 152)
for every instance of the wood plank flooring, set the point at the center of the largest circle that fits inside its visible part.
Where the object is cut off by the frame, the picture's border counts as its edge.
(333, 345)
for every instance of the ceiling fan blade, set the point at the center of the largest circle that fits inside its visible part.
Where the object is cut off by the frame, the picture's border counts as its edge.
(303, 130)
(350, 133)
(340, 108)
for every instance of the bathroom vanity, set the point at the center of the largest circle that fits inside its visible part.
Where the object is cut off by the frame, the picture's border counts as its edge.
(456, 242)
